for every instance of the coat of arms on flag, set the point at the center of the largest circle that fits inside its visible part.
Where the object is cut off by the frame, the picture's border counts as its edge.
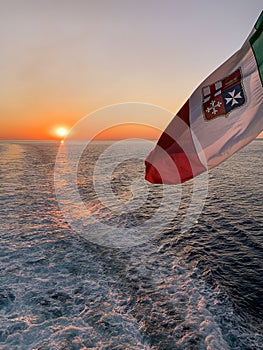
(222, 97)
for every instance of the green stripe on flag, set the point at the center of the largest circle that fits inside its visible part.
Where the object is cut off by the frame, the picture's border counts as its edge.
(259, 22)
(256, 42)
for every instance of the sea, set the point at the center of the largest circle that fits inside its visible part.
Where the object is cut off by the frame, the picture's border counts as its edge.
(66, 282)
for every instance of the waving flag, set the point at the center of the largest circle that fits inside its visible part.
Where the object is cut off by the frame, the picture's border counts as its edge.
(223, 115)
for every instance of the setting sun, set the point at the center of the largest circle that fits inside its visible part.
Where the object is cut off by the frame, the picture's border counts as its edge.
(61, 131)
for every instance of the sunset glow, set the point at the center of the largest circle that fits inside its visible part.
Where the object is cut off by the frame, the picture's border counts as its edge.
(61, 131)
(59, 64)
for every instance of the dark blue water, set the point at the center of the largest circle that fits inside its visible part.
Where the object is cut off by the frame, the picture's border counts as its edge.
(201, 289)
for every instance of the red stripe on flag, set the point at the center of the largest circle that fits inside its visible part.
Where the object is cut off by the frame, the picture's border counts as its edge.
(174, 159)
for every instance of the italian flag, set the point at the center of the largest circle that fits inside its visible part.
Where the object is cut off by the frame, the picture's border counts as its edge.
(223, 115)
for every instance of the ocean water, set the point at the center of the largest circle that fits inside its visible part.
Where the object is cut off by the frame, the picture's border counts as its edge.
(188, 290)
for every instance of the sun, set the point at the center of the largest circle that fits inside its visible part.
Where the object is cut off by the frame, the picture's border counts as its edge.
(61, 131)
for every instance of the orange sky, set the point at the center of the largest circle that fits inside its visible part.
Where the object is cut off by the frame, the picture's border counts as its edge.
(129, 131)
(60, 61)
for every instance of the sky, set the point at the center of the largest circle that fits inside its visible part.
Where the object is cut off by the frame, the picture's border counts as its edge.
(63, 59)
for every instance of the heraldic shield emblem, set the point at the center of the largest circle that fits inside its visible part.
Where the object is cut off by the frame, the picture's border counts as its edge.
(222, 97)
